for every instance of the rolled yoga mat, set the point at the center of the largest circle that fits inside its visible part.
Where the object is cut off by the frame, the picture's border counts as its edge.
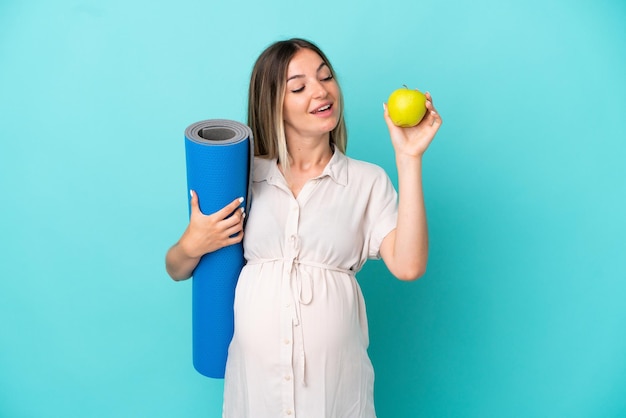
(219, 155)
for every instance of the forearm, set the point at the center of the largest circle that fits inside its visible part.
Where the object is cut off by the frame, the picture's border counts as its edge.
(178, 264)
(405, 249)
(410, 249)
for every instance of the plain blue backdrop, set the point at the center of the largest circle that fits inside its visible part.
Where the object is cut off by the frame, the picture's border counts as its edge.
(522, 312)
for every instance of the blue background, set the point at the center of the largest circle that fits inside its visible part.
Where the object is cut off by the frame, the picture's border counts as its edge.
(522, 312)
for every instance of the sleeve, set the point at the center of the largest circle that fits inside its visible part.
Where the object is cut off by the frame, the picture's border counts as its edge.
(382, 212)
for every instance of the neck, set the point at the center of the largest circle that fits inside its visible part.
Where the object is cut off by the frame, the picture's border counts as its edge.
(306, 161)
(309, 154)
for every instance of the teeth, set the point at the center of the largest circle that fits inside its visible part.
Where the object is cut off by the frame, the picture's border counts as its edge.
(323, 108)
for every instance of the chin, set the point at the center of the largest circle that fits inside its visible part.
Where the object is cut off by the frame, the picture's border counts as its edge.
(331, 125)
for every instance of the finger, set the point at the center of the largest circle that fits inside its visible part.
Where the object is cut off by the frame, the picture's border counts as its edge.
(434, 118)
(429, 116)
(194, 203)
(390, 124)
(234, 230)
(434, 112)
(234, 219)
(235, 239)
(229, 209)
(431, 109)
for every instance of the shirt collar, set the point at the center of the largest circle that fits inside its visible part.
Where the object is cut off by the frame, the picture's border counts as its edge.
(337, 168)
(267, 169)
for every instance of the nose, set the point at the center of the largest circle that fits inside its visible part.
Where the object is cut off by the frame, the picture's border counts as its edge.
(320, 91)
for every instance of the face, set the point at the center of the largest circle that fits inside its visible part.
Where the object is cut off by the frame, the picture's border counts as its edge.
(312, 100)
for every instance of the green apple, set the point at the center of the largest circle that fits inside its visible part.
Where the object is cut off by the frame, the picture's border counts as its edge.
(406, 107)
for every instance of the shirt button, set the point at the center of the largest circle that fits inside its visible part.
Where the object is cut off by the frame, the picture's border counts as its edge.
(287, 341)
(287, 378)
(288, 412)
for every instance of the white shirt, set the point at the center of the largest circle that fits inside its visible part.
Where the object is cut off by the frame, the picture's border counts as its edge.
(300, 342)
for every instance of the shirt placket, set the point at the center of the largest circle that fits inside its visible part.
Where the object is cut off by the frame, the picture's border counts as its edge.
(289, 314)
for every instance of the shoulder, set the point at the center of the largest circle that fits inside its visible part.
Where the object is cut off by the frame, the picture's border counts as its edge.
(261, 168)
(364, 169)
(366, 178)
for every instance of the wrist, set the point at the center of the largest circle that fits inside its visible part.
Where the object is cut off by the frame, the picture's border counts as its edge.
(408, 160)
(186, 248)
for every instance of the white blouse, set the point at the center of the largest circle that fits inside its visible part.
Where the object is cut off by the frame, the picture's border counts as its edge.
(300, 342)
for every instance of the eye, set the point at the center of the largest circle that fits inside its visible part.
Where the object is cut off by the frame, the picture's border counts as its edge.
(330, 77)
(298, 90)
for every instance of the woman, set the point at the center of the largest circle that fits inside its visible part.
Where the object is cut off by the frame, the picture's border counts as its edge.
(300, 342)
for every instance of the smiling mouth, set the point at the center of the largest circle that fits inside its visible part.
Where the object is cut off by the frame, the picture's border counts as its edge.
(323, 108)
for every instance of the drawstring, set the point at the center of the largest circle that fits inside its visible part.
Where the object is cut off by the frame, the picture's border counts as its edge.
(306, 297)
(300, 283)
(304, 288)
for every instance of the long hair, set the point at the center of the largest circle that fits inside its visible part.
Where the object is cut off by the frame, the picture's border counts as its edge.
(267, 94)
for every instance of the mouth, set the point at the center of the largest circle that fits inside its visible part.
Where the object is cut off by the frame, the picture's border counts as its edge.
(324, 108)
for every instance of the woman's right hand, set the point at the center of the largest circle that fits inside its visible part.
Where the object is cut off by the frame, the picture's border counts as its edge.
(208, 233)
(204, 234)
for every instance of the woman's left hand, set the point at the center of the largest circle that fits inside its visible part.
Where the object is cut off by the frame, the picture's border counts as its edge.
(415, 140)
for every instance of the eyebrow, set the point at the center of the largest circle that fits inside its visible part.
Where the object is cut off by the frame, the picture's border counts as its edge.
(323, 64)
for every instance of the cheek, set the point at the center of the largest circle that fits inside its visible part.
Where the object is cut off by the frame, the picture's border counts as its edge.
(336, 94)
(287, 106)
(292, 107)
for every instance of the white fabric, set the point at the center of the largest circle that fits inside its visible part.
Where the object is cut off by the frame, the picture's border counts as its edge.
(300, 343)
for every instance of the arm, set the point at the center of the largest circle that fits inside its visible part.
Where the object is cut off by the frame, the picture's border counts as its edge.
(204, 234)
(405, 249)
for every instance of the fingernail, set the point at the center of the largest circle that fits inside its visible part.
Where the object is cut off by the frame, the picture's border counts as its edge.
(191, 193)
(240, 199)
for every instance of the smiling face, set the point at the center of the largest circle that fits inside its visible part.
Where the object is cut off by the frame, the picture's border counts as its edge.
(311, 107)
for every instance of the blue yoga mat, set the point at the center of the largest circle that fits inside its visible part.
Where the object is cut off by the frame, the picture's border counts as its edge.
(219, 155)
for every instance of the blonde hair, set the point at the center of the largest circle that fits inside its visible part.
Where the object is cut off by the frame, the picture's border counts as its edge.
(266, 96)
